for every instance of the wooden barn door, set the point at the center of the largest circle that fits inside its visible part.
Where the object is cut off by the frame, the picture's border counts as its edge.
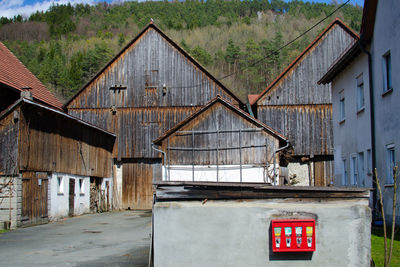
(137, 187)
(34, 198)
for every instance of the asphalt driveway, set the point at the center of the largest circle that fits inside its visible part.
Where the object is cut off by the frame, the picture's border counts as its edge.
(107, 239)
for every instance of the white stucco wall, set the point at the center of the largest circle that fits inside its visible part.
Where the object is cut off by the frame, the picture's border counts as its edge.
(351, 135)
(59, 198)
(387, 113)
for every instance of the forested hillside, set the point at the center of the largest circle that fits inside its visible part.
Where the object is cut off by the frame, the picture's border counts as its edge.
(66, 45)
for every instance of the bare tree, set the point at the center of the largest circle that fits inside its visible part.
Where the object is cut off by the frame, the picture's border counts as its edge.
(388, 253)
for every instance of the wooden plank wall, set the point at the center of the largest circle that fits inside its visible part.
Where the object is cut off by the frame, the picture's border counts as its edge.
(299, 107)
(144, 110)
(34, 198)
(220, 118)
(137, 190)
(9, 129)
(51, 142)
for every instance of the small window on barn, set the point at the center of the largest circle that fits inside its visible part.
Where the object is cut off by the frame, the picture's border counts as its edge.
(387, 73)
(60, 185)
(151, 79)
(342, 111)
(360, 93)
(81, 187)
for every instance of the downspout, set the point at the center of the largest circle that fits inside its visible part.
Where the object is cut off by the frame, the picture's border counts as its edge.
(372, 114)
(277, 151)
(153, 146)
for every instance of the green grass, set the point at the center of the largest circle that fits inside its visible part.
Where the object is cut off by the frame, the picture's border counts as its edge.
(377, 248)
(3, 231)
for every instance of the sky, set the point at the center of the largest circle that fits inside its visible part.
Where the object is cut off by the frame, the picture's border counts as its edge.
(10, 8)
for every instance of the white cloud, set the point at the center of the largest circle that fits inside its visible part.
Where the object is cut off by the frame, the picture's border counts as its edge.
(10, 8)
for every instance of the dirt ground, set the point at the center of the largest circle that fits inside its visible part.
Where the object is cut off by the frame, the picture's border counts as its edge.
(107, 239)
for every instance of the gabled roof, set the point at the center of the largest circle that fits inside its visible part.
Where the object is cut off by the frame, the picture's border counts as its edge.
(281, 76)
(230, 106)
(366, 33)
(175, 45)
(24, 101)
(14, 74)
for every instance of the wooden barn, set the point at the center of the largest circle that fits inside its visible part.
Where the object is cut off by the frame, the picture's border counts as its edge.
(295, 105)
(147, 88)
(47, 160)
(221, 143)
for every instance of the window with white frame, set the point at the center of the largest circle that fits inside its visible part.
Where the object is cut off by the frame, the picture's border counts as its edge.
(342, 112)
(360, 92)
(391, 162)
(344, 172)
(387, 72)
(60, 185)
(361, 169)
(353, 170)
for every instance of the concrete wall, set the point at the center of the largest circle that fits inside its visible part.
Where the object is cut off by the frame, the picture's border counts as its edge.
(352, 135)
(237, 233)
(387, 117)
(16, 204)
(59, 198)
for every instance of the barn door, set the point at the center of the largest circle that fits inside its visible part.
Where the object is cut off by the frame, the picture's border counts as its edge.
(137, 184)
(71, 197)
(34, 198)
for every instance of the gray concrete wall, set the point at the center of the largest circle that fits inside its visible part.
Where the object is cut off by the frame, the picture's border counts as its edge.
(237, 233)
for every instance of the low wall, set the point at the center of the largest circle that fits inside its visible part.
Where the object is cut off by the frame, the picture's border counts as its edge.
(232, 227)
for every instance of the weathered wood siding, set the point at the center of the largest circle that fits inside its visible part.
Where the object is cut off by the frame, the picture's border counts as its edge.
(9, 129)
(50, 142)
(216, 120)
(302, 124)
(135, 128)
(137, 190)
(144, 110)
(300, 108)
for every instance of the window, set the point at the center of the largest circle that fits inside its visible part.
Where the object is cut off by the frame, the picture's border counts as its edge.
(361, 169)
(387, 72)
(391, 162)
(353, 170)
(360, 93)
(342, 114)
(81, 187)
(60, 185)
(344, 172)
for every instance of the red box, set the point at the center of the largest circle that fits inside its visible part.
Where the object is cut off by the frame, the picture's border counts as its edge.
(293, 235)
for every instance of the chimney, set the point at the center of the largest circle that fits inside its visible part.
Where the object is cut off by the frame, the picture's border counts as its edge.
(27, 93)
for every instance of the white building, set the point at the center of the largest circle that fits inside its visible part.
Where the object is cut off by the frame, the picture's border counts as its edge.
(366, 138)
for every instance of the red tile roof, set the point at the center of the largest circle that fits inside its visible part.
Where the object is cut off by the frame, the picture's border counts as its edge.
(252, 98)
(14, 74)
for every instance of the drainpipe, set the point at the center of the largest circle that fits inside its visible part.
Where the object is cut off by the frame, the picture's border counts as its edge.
(372, 114)
(153, 146)
(276, 151)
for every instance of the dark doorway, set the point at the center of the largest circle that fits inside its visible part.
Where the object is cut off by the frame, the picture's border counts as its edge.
(71, 196)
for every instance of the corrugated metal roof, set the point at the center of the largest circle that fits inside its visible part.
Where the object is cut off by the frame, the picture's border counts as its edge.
(14, 74)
